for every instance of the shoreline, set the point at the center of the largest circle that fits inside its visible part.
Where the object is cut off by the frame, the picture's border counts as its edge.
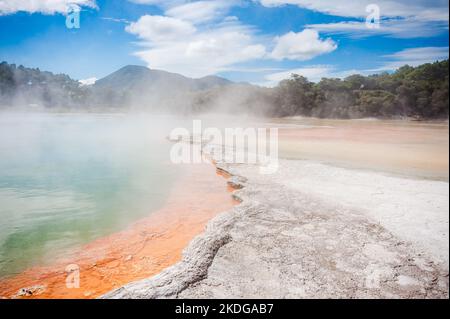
(311, 230)
(283, 242)
(143, 249)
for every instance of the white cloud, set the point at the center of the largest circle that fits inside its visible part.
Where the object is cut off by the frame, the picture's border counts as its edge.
(201, 11)
(204, 52)
(414, 57)
(118, 20)
(421, 54)
(199, 38)
(312, 73)
(301, 46)
(194, 11)
(89, 81)
(195, 38)
(425, 9)
(399, 19)
(42, 6)
(397, 28)
(162, 3)
(160, 28)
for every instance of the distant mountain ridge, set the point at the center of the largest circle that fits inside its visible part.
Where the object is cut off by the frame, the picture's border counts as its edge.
(141, 77)
(419, 92)
(130, 86)
(140, 87)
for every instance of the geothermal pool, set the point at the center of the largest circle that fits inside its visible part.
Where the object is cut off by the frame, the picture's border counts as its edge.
(68, 179)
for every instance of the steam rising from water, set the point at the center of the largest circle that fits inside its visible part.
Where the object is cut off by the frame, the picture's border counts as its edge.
(68, 179)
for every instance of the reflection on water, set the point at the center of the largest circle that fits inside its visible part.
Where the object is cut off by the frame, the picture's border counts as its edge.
(68, 179)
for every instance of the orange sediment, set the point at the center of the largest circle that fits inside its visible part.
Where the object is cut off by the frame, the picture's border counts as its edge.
(141, 251)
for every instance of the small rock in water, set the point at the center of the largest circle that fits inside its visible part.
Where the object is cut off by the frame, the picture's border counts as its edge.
(30, 291)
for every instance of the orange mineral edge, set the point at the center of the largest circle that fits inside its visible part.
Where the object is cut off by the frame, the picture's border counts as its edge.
(142, 250)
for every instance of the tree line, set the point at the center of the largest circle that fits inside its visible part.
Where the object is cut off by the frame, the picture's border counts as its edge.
(418, 92)
(26, 86)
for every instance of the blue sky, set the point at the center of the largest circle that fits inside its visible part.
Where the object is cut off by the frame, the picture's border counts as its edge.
(258, 41)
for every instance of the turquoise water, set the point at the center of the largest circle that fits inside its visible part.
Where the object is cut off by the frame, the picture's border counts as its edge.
(66, 180)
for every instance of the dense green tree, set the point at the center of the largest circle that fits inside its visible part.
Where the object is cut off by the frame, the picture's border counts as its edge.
(301, 102)
(420, 92)
(31, 87)
(7, 82)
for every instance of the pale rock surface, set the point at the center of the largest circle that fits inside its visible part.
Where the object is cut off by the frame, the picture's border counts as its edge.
(315, 231)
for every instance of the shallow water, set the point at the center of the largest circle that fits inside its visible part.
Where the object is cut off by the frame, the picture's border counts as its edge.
(406, 148)
(66, 180)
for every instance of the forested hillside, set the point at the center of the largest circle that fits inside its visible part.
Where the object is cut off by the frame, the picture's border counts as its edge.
(420, 92)
(33, 87)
